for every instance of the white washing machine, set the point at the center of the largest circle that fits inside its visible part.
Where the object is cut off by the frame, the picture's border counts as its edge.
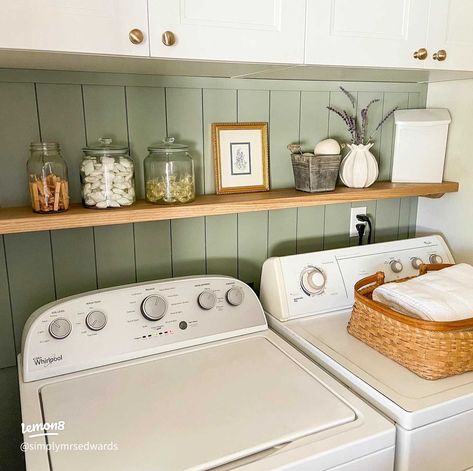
(184, 374)
(308, 298)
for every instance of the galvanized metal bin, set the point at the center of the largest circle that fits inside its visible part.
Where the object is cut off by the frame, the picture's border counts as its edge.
(314, 173)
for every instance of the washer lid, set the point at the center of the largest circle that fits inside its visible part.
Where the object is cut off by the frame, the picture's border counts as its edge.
(194, 409)
(421, 401)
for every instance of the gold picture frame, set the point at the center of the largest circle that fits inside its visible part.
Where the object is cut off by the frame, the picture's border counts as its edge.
(241, 158)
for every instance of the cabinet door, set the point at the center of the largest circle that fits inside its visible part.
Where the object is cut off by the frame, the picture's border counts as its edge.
(89, 26)
(232, 30)
(376, 33)
(451, 30)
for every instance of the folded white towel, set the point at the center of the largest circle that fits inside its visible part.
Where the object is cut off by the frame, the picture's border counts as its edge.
(444, 295)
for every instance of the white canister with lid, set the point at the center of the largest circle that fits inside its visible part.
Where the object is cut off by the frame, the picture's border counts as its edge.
(107, 176)
(420, 145)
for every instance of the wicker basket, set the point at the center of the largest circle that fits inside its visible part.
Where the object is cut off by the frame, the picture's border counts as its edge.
(432, 350)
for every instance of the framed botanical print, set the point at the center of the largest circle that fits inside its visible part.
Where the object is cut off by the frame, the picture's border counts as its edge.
(240, 157)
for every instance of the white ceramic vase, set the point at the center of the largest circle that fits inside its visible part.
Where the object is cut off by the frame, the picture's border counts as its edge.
(359, 168)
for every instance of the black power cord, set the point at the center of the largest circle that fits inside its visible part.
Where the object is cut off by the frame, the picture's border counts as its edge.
(364, 218)
(361, 232)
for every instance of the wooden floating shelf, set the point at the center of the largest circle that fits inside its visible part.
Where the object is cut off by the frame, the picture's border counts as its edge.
(15, 220)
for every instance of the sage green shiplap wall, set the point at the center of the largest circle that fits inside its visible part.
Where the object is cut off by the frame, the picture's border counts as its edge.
(77, 108)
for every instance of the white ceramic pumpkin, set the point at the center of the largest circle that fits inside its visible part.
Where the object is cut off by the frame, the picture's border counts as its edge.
(359, 168)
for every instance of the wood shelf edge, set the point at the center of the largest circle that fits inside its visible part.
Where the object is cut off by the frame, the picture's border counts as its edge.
(17, 220)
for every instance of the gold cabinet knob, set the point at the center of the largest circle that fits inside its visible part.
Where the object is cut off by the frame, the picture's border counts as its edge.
(136, 36)
(440, 55)
(421, 54)
(168, 38)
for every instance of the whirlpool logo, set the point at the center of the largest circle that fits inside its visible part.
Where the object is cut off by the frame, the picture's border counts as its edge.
(40, 361)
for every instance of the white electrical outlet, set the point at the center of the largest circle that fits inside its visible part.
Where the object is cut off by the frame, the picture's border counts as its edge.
(354, 221)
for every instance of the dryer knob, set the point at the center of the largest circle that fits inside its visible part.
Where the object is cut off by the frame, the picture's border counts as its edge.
(235, 296)
(207, 300)
(435, 258)
(313, 281)
(416, 262)
(396, 266)
(154, 307)
(96, 320)
(60, 328)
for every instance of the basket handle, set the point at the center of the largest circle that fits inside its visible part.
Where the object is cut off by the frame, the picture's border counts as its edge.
(369, 283)
(426, 267)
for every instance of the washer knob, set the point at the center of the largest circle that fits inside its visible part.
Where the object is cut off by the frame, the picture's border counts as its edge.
(60, 328)
(96, 320)
(313, 281)
(396, 266)
(207, 300)
(435, 258)
(235, 296)
(154, 307)
(416, 262)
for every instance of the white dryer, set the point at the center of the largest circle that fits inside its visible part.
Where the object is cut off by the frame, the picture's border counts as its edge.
(184, 374)
(308, 298)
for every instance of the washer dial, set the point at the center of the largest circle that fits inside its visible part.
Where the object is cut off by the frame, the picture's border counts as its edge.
(154, 307)
(60, 328)
(435, 258)
(396, 266)
(235, 296)
(96, 320)
(416, 262)
(313, 281)
(207, 300)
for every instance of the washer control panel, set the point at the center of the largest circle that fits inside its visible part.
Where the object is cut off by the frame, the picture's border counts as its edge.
(321, 282)
(111, 325)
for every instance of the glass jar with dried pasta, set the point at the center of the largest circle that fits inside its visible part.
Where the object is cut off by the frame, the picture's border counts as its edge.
(169, 173)
(47, 176)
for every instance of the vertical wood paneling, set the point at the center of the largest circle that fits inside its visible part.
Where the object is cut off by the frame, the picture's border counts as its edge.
(282, 226)
(114, 255)
(284, 122)
(153, 250)
(314, 118)
(221, 243)
(30, 271)
(146, 112)
(253, 106)
(7, 345)
(188, 246)
(105, 113)
(74, 261)
(337, 221)
(62, 120)
(387, 220)
(18, 127)
(310, 229)
(252, 245)
(413, 217)
(336, 126)
(404, 214)
(184, 122)
(391, 99)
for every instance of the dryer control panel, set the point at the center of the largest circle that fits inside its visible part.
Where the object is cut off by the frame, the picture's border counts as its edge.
(116, 324)
(321, 282)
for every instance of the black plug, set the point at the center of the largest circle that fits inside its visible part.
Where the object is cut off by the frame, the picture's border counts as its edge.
(361, 232)
(364, 218)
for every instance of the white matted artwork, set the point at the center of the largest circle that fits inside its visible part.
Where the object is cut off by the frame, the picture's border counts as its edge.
(240, 157)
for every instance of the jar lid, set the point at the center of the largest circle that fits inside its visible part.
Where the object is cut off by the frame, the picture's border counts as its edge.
(105, 146)
(168, 145)
(44, 146)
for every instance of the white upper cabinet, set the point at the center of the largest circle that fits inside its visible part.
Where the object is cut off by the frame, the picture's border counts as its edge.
(231, 30)
(451, 35)
(374, 33)
(84, 26)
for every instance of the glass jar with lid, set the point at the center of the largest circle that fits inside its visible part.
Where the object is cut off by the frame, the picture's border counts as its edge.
(169, 173)
(47, 176)
(108, 175)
